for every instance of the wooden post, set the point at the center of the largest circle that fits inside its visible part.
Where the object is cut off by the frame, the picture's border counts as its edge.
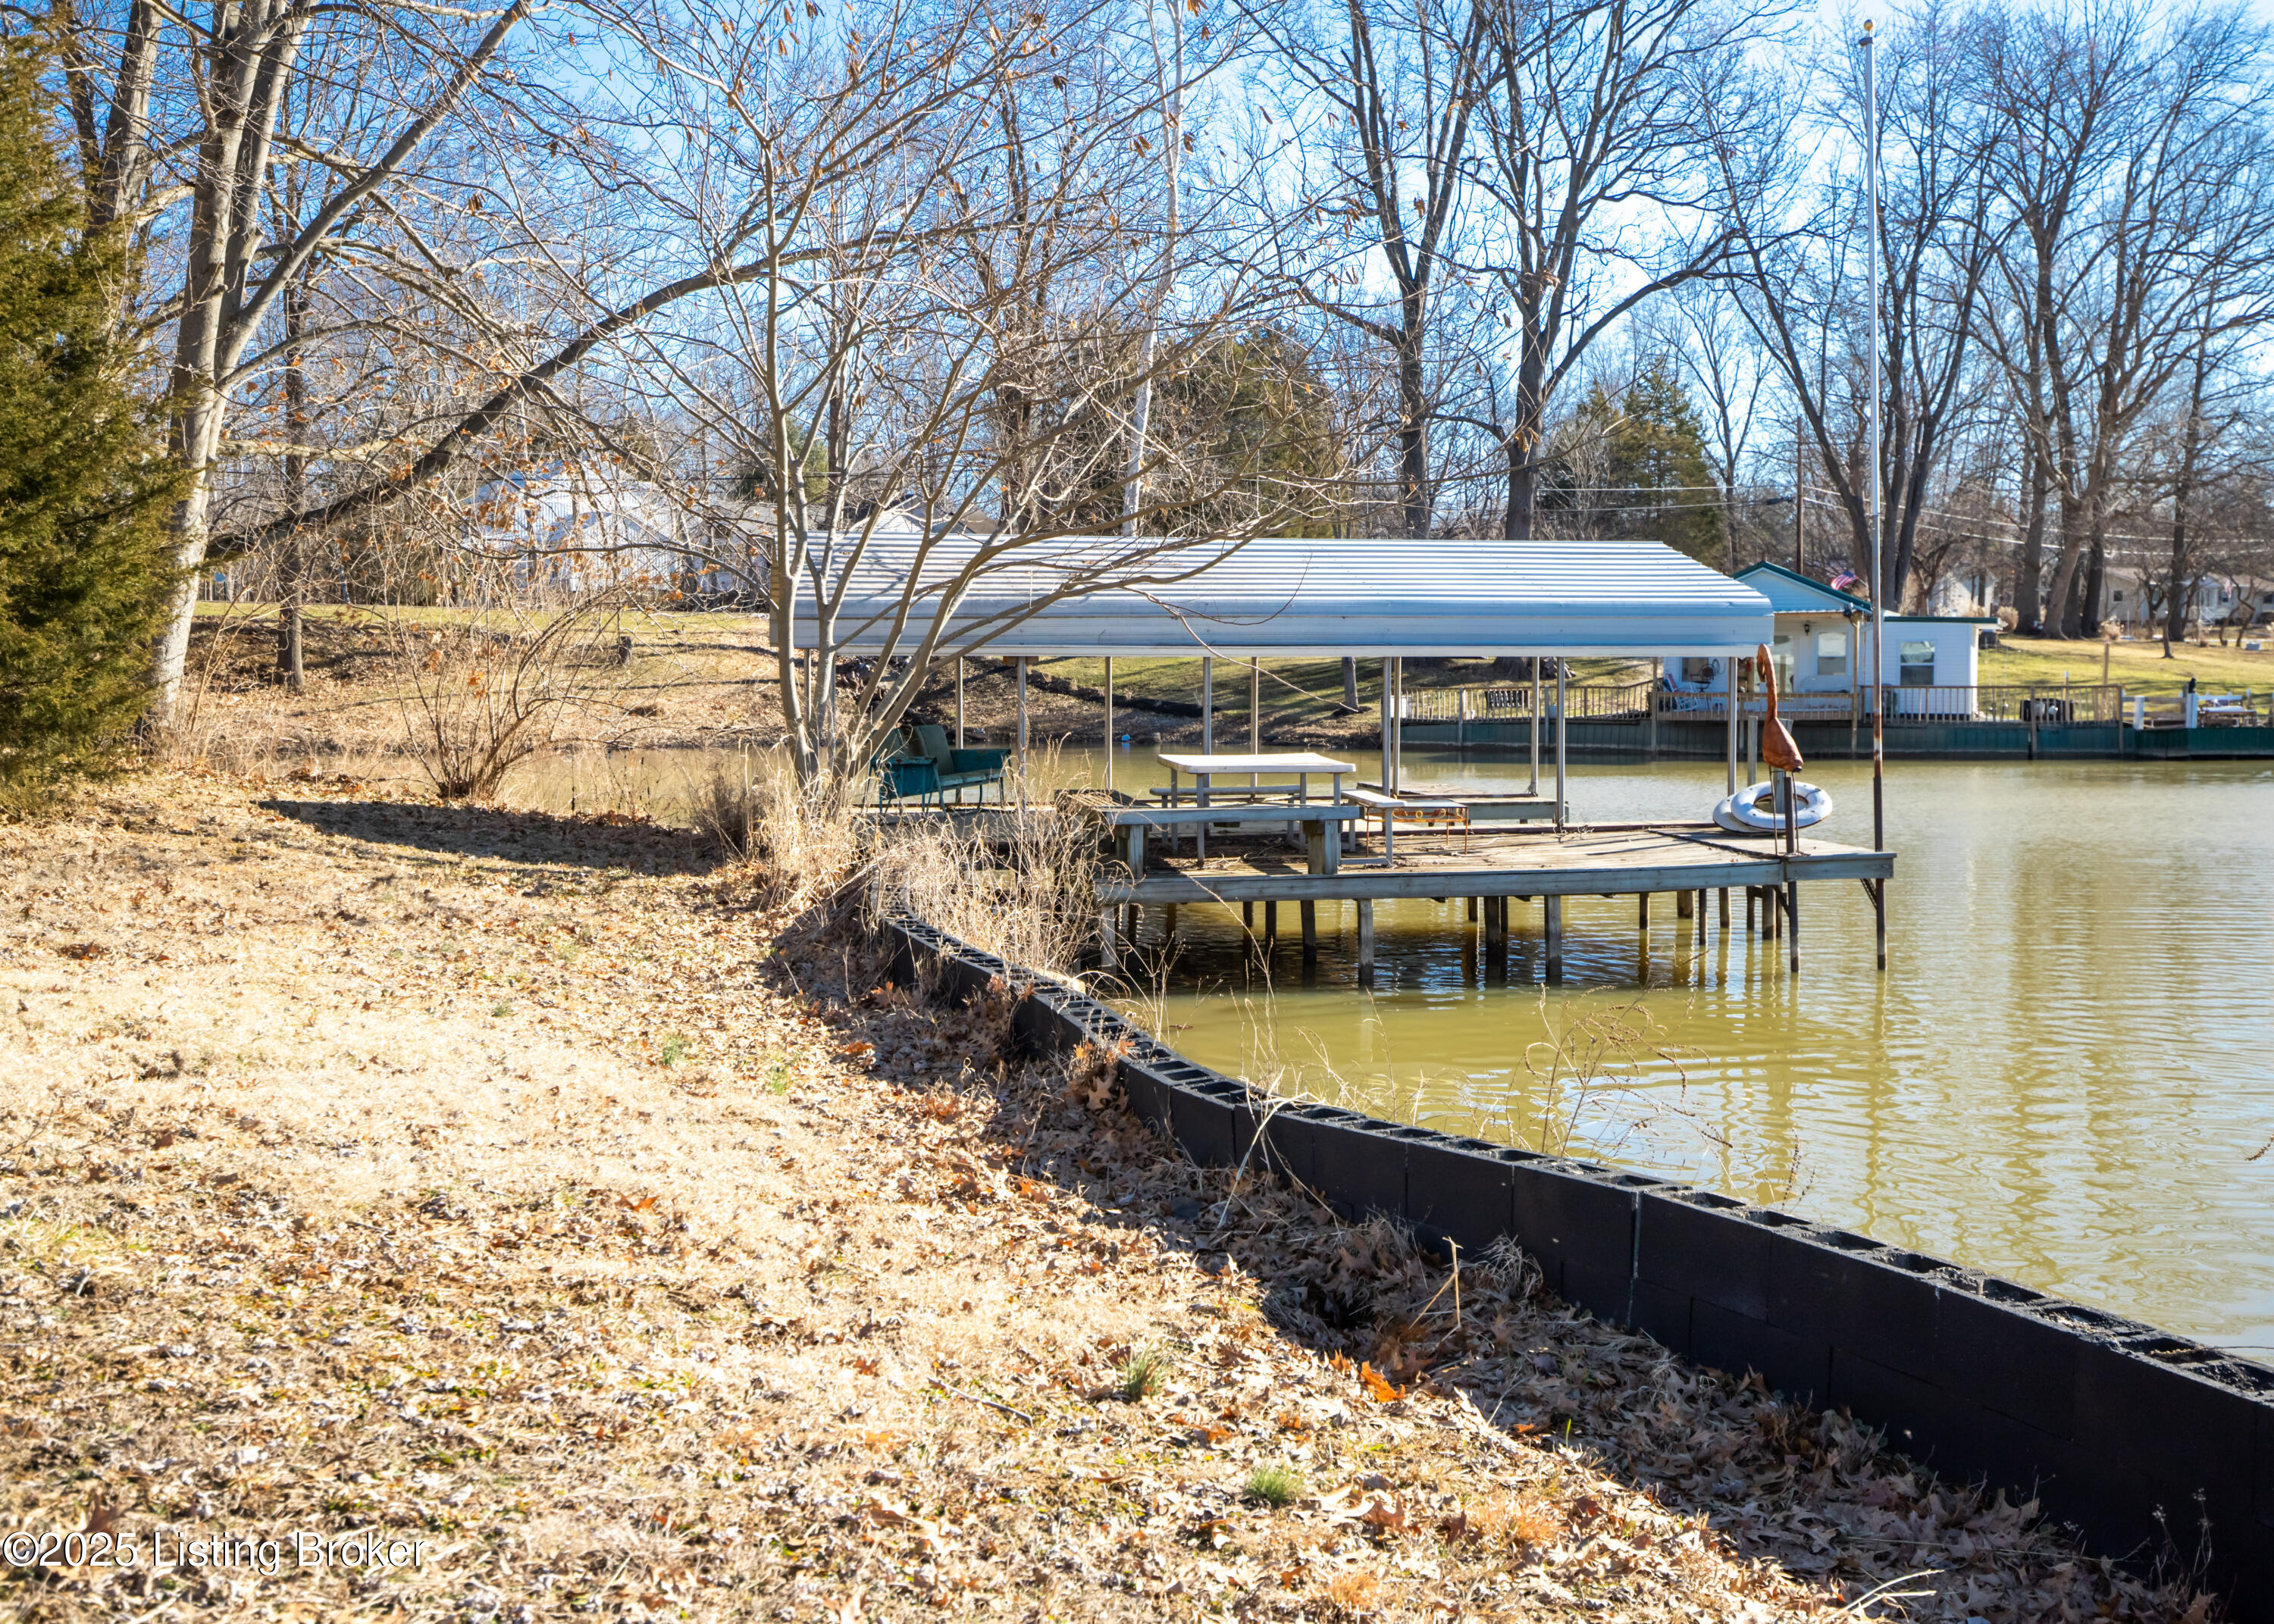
(1642, 912)
(1650, 737)
(959, 702)
(1700, 910)
(1109, 725)
(1270, 925)
(1021, 664)
(1724, 910)
(1365, 943)
(1310, 916)
(1208, 714)
(1255, 713)
(1753, 892)
(1555, 911)
(1108, 955)
(1792, 921)
(1496, 938)
(1729, 669)
(1247, 917)
(1685, 904)
(1472, 910)
(1169, 922)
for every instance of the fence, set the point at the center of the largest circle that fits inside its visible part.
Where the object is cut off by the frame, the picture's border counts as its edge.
(2045, 704)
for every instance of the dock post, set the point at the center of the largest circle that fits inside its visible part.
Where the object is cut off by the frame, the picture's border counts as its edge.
(1642, 912)
(1685, 904)
(1729, 670)
(1270, 925)
(1724, 909)
(1021, 664)
(1700, 910)
(1792, 921)
(1168, 923)
(1365, 942)
(1109, 956)
(1533, 788)
(1310, 914)
(1561, 722)
(1495, 912)
(1472, 910)
(1752, 893)
(1555, 911)
(1109, 723)
(1247, 917)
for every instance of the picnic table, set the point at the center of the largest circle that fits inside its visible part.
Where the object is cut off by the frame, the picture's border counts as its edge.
(1302, 765)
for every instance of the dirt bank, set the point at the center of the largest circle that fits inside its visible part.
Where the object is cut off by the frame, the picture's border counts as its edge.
(525, 1187)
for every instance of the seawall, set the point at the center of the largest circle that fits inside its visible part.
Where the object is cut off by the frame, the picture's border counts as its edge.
(2118, 1428)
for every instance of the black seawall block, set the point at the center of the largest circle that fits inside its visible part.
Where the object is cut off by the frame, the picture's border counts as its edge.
(2127, 1434)
(1460, 1190)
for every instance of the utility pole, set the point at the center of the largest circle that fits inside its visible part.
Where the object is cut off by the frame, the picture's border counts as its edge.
(1799, 499)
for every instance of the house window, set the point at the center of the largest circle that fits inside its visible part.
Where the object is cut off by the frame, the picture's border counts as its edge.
(1831, 654)
(1917, 668)
(2119, 597)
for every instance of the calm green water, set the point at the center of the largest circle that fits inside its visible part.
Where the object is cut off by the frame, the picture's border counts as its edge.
(2062, 1077)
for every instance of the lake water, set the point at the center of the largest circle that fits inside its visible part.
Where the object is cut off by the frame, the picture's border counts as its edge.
(2063, 1076)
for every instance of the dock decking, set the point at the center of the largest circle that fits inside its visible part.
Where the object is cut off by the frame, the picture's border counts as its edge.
(1684, 860)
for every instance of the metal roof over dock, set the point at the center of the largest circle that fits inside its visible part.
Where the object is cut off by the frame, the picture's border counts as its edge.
(1285, 597)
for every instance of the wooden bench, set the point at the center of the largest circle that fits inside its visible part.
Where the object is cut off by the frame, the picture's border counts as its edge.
(1444, 815)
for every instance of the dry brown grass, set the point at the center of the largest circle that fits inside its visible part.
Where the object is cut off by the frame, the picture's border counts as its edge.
(528, 1185)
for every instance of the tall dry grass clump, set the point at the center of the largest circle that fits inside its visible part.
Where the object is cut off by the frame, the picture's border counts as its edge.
(1019, 882)
(800, 841)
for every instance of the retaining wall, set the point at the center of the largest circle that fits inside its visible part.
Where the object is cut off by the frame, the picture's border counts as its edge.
(2117, 1428)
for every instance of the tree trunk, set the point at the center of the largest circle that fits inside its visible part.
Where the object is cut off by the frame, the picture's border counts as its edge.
(2029, 574)
(291, 566)
(1350, 686)
(1413, 429)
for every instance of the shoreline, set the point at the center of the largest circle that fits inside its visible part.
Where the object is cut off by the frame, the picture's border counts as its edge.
(537, 1186)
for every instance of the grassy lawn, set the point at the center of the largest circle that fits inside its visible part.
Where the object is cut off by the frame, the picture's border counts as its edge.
(2140, 667)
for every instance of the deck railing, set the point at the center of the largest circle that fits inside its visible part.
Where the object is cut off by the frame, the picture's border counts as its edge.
(2042, 704)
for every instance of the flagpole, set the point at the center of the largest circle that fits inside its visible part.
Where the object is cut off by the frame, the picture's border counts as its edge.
(1876, 532)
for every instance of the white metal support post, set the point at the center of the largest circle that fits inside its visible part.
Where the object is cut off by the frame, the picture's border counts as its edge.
(1879, 563)
(1562, 724)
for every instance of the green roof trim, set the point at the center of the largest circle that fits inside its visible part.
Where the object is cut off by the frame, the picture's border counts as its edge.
(1864, 603)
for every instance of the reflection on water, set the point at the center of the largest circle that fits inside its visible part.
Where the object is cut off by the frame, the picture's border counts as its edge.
(2062, 1077)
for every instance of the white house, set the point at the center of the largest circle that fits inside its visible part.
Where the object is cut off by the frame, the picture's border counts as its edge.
(1823, 638)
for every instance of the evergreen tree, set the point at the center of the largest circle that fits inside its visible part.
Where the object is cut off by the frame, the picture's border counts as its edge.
(1656, 482)
(84, 572)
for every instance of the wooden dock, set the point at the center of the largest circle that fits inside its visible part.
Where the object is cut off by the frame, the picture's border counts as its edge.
(1686, 861)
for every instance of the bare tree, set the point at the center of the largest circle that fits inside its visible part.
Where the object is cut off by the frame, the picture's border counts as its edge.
(1396, 88)
(2161, 186)
(1592, 119)
(1802, 289)
(186, 125)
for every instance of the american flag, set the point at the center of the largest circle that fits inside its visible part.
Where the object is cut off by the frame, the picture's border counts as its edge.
(1846, 581)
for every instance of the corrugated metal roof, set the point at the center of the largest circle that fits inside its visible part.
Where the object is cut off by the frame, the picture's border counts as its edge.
(1308, 597)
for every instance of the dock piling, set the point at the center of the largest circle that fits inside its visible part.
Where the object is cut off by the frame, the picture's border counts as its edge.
(1365, 943)
(1555, 910)
(1270, 925)
(1309, 911)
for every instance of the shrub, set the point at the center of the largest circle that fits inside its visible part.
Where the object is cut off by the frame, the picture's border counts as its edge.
(86, 574)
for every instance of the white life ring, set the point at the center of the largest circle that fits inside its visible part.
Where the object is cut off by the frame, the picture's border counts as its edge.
(1753, 811)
